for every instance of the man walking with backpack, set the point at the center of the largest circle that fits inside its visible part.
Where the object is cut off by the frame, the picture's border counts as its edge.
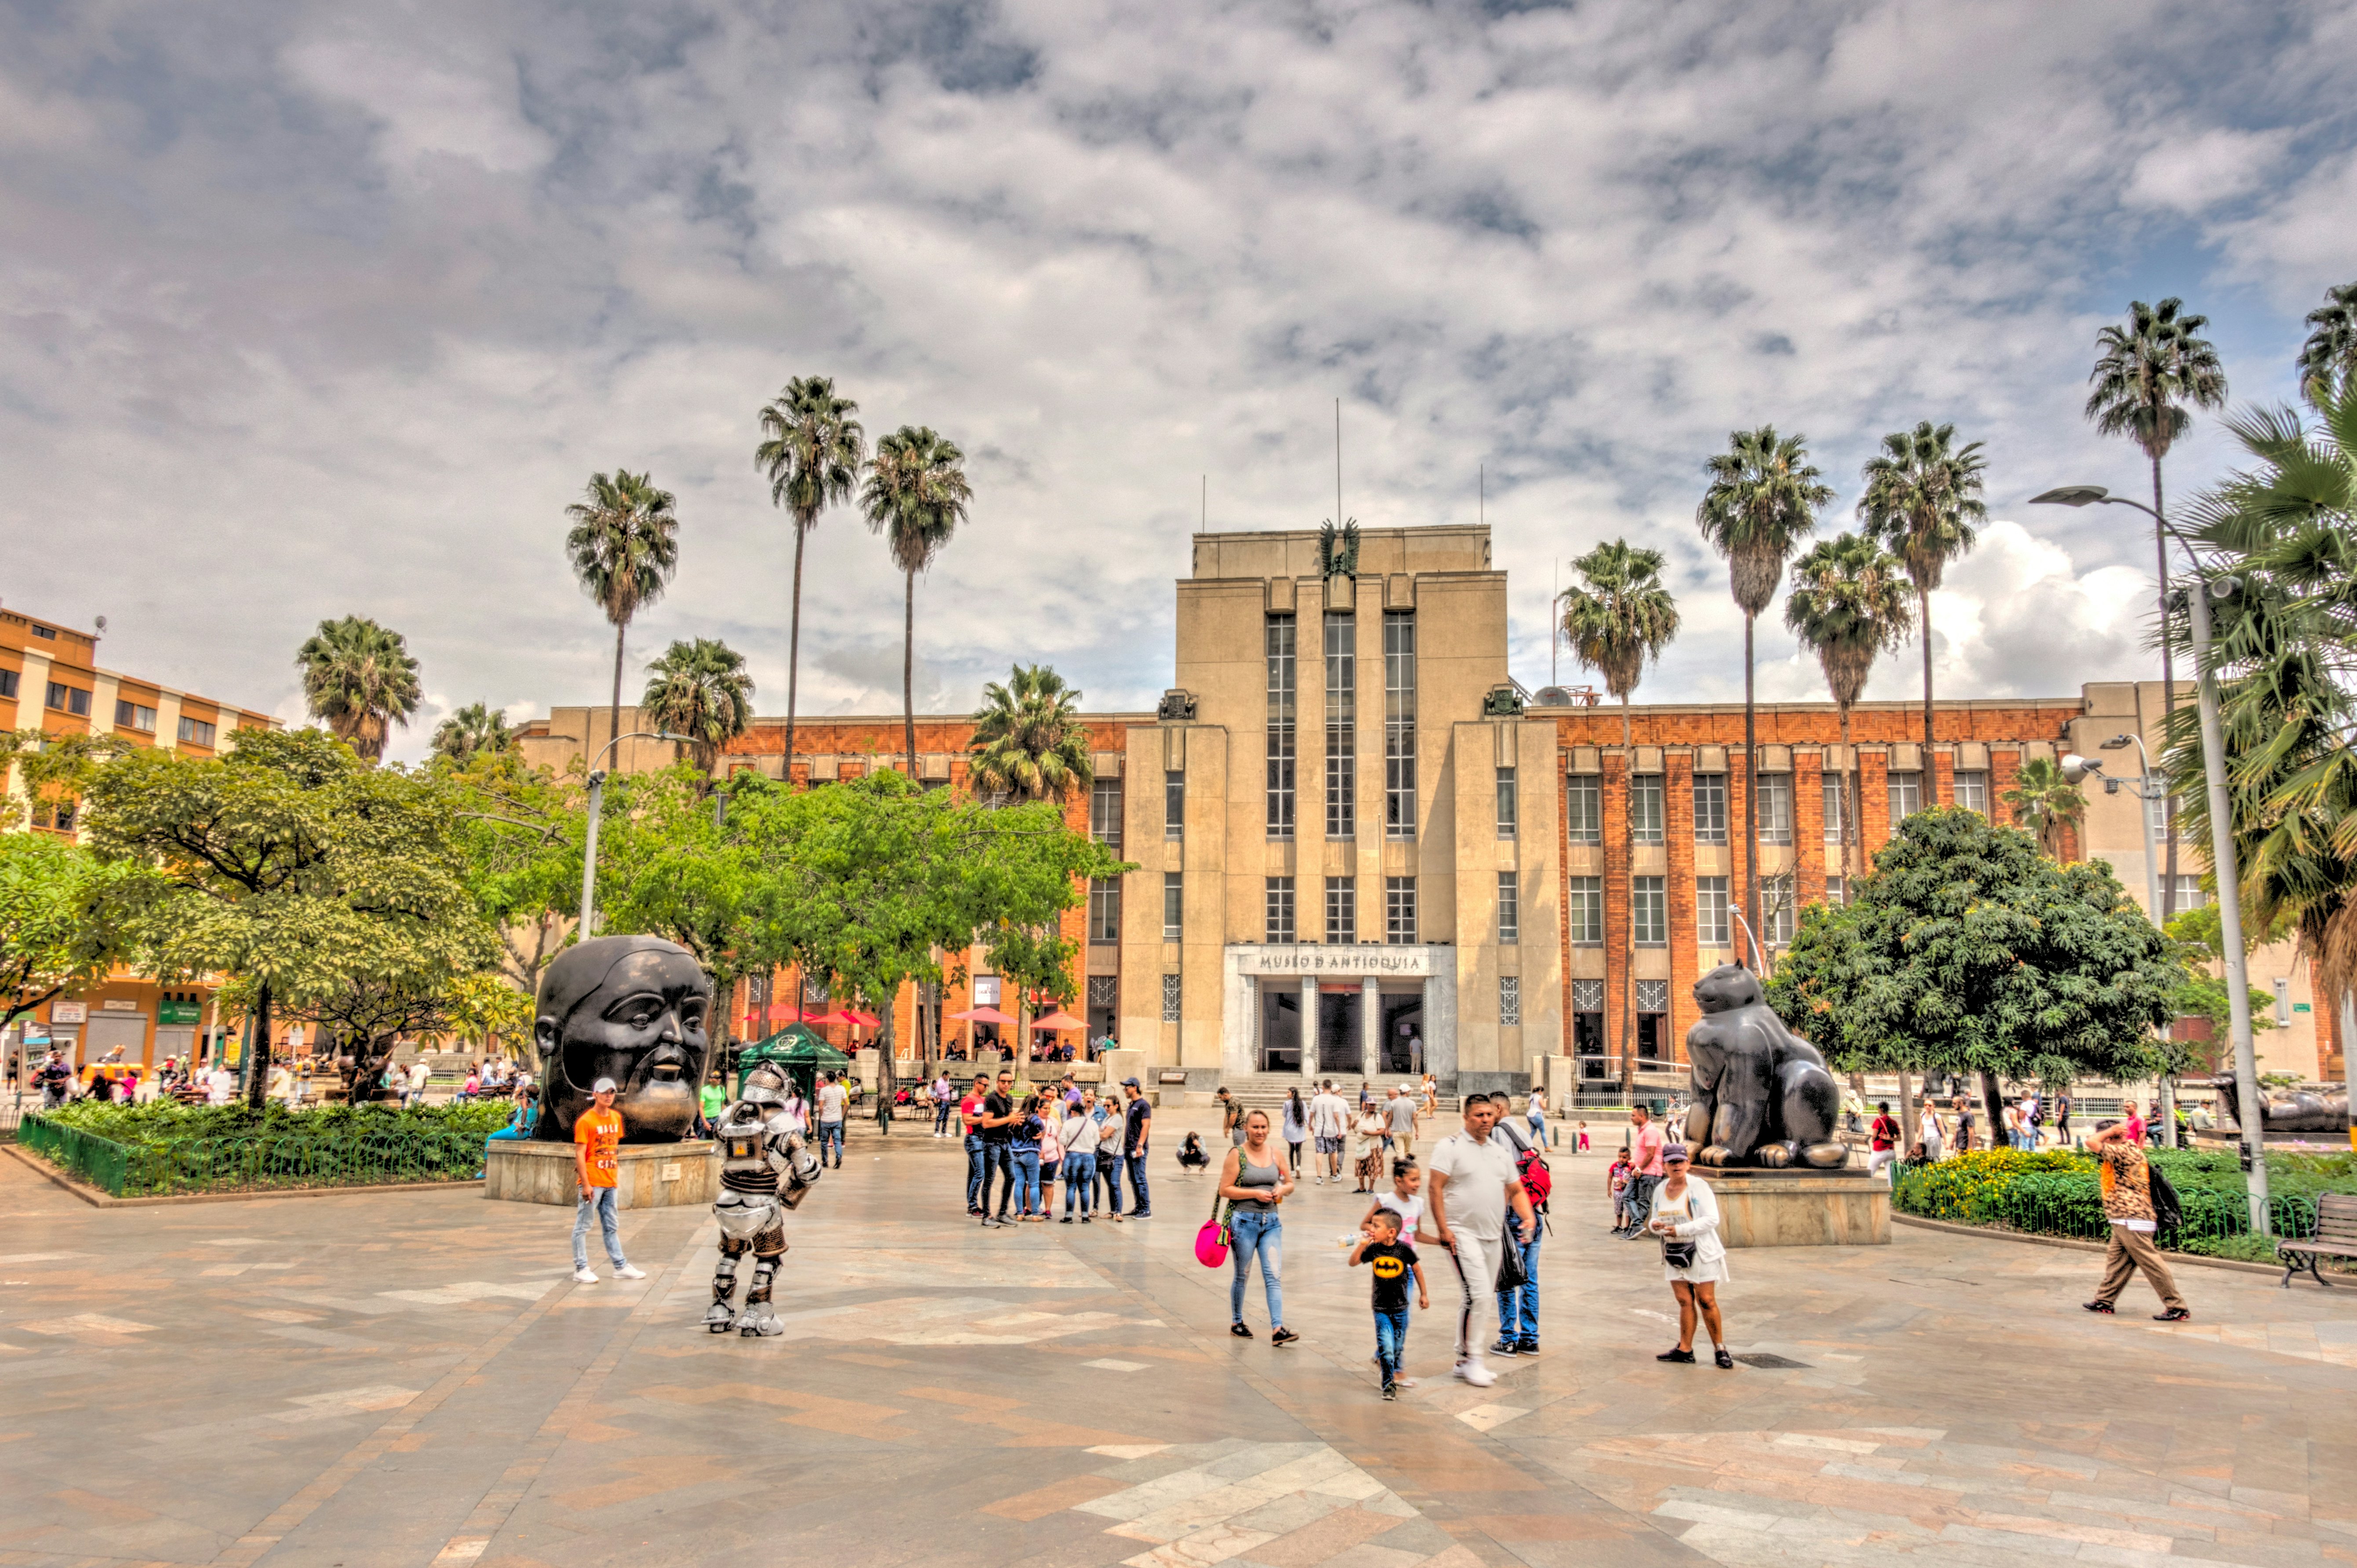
(2130, 1186)
(1518, 1308)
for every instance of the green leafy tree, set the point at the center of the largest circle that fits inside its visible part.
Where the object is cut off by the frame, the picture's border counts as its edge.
(2045, 802)
(519, 832)
(1030, 742)
(1966, 951)
(1618, 617)
(624, 546)
(670, 865)
(292, 863)
(2200, 939)
(812, 449)
(63, 926)
(360, 680)
(1923, 499)
(1848, 605)
(701, 688)
(2329, 357)
(476, 729)
(916, 498)
(1763, 499)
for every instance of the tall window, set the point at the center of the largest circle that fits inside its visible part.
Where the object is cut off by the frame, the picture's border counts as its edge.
(1583, 809)
(1652, 1019)
(1645, 806)
(1836, 891)
(2186, 894)
(1775, 807)
(1650, 911)
(1584, 909)
(1104, 909)
(1104, 809)
(1174, 805)
(1279, 640)
(1510, 907)
(1834, 785)
(68, 699)
(7, 683)
(1341, 910)
(1399, 724)
(1399, 911)
(1280, 910)
(1174, 905)
(1510, 805)
(1776, 912)
(1341, 725)
(1972, 793)
(1906, 796)
(1170, 999)
(1712, 927)
(1510, 999)
(1710, 808)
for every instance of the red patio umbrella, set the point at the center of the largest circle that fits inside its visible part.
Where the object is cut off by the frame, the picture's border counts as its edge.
(865, 1020)
(1059, 1020)
(826, 1018)
(981, 1015)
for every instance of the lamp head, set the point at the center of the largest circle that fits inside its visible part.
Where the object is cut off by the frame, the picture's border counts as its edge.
(2071, 495)
(2075, 768)
(2119, 743)
(2111, 786)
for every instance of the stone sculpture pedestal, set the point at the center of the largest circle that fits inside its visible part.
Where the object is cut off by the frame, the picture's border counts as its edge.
(1800, 1208)
(652, 1175)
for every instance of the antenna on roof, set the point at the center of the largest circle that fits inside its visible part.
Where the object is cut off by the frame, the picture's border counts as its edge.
(102, 625)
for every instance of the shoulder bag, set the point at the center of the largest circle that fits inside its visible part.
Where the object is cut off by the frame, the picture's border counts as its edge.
(1211, 1240)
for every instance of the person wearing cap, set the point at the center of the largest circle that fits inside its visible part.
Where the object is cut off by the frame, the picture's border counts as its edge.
(1685, 1216)
(598, 1163)
(1137, 1126)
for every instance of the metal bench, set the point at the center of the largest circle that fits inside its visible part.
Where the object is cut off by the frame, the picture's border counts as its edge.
(2336, 1237)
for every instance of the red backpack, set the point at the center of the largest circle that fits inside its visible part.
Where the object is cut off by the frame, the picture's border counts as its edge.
(1538, 1181)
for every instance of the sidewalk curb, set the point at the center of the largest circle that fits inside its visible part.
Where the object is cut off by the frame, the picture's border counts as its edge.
(2072, 1245)
(97, 1200)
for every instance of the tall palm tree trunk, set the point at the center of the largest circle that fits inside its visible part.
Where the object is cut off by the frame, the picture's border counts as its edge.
(621, 629)
(1628, 925)
(1750, 794)
(908, 674)
(1923, 604)
(794, 648)
(2168, 706)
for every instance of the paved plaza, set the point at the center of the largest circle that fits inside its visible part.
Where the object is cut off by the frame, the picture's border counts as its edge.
(413, 1379)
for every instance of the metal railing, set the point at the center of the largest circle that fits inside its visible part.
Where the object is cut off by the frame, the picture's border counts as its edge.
(257, 1161)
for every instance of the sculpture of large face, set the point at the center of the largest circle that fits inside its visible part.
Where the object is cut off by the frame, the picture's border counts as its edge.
(632, 1009)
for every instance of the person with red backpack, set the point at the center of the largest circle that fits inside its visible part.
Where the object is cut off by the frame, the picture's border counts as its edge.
(1518, 1308)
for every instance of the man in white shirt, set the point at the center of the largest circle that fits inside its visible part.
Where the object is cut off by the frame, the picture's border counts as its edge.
(1471, 1182)
(420, 1074)
(220, 1087)
(1399, 1118)
(1329, 1122)
(832, 1098)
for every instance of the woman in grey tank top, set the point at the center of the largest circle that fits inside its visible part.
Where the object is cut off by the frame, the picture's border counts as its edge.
(1255, 1180)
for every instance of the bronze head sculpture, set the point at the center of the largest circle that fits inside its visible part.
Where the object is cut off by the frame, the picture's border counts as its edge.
(632, 1009)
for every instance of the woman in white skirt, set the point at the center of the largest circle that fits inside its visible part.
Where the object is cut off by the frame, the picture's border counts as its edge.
(1685, 1216)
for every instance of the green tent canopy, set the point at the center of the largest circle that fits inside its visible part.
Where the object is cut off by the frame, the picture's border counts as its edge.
(796, 1051)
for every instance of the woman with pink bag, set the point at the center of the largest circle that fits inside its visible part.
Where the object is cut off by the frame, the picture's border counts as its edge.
(1254, 1180)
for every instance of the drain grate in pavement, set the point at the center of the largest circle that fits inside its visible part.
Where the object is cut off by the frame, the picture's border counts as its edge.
(1773, 1363)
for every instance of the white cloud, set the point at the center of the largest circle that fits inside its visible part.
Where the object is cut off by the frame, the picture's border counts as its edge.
(2197, 173)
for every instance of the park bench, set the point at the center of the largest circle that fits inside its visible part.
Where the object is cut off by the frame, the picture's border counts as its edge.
(2336, 1237)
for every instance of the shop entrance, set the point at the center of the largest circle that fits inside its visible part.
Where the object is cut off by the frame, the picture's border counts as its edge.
(1402, 1031)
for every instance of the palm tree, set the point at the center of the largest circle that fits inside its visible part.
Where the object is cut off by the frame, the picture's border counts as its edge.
(2329, 355)
(2147, 372)
(916, 497)
(1849, 604)
(2045, 802)
(700, 688)
(1922, 498)
(1763, 499)
(812, 452)
(625, 547)
(1029, 740)
(1616, 618)
(359, 679)
(476, 729)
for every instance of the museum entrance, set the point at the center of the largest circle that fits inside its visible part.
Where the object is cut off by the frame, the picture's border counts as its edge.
(1341, 1048)
(1402, 1034)
(1280, 1029)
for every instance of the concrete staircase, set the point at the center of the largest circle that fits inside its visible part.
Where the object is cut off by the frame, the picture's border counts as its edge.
(1265, 1091)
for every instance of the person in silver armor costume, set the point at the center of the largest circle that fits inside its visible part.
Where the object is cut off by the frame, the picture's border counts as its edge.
(764, 1170)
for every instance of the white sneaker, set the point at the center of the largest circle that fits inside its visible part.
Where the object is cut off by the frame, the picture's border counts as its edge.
(630, 1271)
(1473, 1371)
(584, 1275)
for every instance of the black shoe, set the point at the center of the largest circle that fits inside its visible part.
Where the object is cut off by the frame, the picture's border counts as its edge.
(1682, 1358)
(1283, 1337)
(1526, 1347)
(1725, 1361)
(1067, 1220)
(1141, 1214)
(2174, 1315)
(1502, 1348)
(1084, 1219)
(1240, 1330)
(2103, 1307)
(973, 1213)
(1390, 1392)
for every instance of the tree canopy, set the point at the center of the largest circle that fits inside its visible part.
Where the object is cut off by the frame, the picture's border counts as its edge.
(61, 919)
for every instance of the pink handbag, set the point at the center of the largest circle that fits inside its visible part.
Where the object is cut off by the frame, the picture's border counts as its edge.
(1211, 1240)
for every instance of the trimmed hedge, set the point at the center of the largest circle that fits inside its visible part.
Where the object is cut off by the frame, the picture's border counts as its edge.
(161, 1123)
(163, 1148)
(2055, 1192)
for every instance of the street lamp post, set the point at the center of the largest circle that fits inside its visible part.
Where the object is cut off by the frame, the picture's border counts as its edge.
(2222, 848)
(597, 811)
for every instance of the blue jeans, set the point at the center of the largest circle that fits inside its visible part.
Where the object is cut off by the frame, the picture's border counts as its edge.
(830, 1136)
(1080, 1183)
(1391, 1342)
(1263, 1234)
(1518, 1309)
(599, 1202)
(973, 1171)
(1026, 1181)
(1137, 1200)
(942, 1116)
(998, 1160)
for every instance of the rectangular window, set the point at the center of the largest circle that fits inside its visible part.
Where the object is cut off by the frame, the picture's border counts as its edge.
(1510, 805)
(1281, 677)
(7, 683)
(1280, 910)
(1104, 809)
(1399, 724)
(1341, 910)
(1971, 792)
(1834, 785)
(1710, 808)
(1712, 927)
(2188, 895)
(1174, 905)
(1584, 909)
(1341, 725)
(1170, 999)
(1776, 912)
(195, 732)
(1906, 796)
(1399, 911)
(1510, 907)
(1104, 909)
(1509, 999)
(1836, 891)
(1645, 806)
(1583, 809)
(68, 699)
(1650, 910)
(47, 633)
(134, 715)
(1775, 807)
(1174, 805)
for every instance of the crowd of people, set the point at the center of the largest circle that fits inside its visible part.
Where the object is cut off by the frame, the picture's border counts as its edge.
(1068, 1135)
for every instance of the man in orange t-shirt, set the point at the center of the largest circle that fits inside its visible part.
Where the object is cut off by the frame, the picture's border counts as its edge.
(596, 1159)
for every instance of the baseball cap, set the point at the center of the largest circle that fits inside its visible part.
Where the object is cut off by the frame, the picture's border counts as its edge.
(603, 1086)
(1131, 1083)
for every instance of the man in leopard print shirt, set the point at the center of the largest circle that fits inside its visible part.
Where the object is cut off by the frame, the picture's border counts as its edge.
(2127, 1180)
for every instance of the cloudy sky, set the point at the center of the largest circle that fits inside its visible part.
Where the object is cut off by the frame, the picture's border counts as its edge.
(315, 309)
